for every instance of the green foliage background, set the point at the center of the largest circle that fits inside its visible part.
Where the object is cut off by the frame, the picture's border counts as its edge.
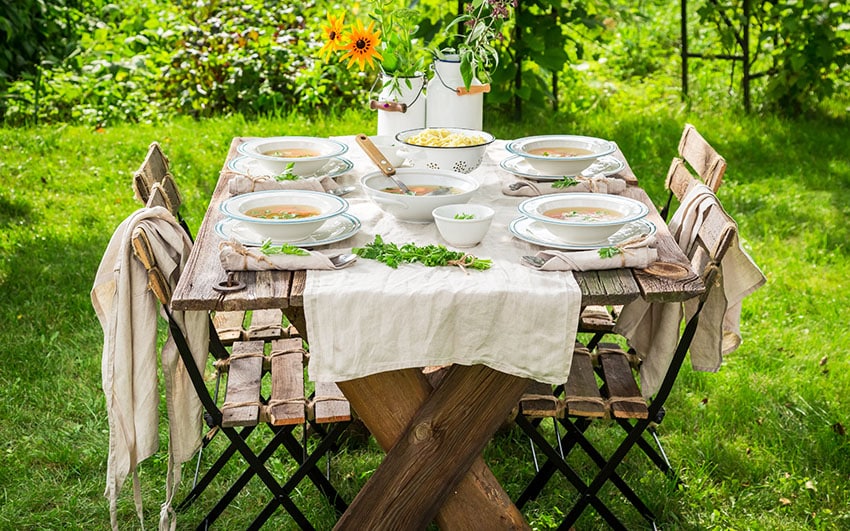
(100, 63)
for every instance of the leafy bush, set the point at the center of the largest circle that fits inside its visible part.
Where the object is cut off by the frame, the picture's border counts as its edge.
(801, 46)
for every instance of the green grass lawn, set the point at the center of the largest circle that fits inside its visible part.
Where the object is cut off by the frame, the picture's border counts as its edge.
(762, 444)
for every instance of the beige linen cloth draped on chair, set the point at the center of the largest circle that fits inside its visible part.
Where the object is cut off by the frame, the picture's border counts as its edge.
(652, 330)
(127, 311)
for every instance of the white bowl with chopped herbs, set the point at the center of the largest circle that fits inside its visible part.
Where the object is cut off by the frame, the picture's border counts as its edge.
(463, 225)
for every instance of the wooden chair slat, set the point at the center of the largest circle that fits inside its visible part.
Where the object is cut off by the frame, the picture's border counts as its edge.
(533, 405)
(229, 326)
(287, 404)
(265, 324)
(621, 384)
(243, 384)
(702, 157)
(329, 404)
(582, 390)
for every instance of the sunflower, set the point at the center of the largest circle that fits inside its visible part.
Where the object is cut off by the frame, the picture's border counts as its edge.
(362, 45)
(333, 33)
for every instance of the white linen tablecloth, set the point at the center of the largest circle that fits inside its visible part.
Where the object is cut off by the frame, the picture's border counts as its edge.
(370, 318)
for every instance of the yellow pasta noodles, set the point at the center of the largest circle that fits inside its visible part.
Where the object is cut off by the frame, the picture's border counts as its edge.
(444, 138)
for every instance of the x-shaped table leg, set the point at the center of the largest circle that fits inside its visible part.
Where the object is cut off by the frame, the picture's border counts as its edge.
(434, 438)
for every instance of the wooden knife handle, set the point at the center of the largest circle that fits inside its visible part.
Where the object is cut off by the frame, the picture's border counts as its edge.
(375, 154)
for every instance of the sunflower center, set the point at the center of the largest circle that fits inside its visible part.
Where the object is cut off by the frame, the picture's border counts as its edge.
(332, 35)
(362, 44)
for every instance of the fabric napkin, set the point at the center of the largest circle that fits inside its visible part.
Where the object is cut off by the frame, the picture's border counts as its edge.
(636, 254)
(237, 257)
(598, 183)
(653, 329)
(242, 184)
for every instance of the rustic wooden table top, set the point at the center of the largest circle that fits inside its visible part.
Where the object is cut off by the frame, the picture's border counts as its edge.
(670, 279)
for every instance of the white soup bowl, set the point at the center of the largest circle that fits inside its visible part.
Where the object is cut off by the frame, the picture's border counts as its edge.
(565, 155)
(417, 208)
(458, 228)
(307, 154)
(324, 205)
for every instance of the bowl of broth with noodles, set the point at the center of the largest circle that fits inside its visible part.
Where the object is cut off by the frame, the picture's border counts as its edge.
(284, 215)
(306, 155)
(560, 155)
(583, 218)
(445, 148)
(429, 189)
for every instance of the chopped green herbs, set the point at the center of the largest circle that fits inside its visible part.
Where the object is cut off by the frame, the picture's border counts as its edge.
(287, 248)
(463, 215)
(429, 255)
(609, 252)
(565, 182)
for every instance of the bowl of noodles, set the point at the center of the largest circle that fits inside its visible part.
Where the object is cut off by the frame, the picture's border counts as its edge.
(446, 148)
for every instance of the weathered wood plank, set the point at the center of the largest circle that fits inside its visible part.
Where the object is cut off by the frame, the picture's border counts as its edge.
(624, 396)
(671, 278)
(581, 393)
(242, 407)
(287, 403)
(265, 324)
(477, 502)
(229, 326)
(539, 401)
(702, 157)
(329, 404)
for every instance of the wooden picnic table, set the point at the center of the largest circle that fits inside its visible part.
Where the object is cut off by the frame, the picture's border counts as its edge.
(433, 435)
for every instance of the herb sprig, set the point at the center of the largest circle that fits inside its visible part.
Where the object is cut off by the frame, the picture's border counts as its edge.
(286, 174)
(462, 215)
(609, 252)
(430, 255)
(287, 248)
(565, 182)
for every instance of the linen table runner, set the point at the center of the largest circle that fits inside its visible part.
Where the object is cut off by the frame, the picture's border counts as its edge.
(371, 318)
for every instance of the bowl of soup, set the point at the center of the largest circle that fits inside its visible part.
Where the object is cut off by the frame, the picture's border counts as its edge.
(560, 155)
(284, 215)
(583, 218)
(306, 154)
(430, 189)
(445, 148)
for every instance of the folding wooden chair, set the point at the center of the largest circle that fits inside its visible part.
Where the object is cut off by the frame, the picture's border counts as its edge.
(602, 385)
(281, 362)
(710, 168)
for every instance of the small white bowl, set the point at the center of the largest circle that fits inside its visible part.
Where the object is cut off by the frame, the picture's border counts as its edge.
(583, 229)
(542, 152)
(458, 229)
(291, 230)
(391, 148)
(417, 208)
(462, 159)
(314, 153)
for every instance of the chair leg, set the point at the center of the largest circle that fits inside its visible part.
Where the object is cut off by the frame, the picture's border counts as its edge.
(608, 472)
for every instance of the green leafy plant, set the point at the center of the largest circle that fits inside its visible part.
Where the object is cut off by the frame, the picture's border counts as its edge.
(462, 215)
(482, 23)
(393, 255)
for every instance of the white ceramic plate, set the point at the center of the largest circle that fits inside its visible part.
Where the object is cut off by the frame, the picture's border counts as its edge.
(606, 165)
(333, 168)
(535, 232)
(336, 229)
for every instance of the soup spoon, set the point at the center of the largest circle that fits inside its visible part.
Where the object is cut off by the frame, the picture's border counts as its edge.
(381, 161)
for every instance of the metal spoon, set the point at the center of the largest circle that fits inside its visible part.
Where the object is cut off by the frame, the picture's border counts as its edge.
(343, 259)
(533, 260)
(381, 161)
(342, 190)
